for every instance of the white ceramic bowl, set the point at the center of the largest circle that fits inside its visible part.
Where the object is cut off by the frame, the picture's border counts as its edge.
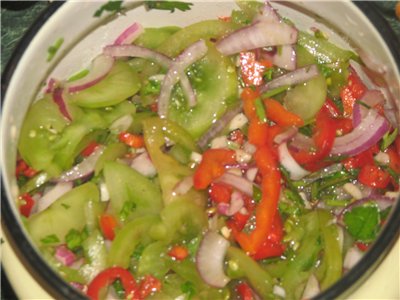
(358, 23)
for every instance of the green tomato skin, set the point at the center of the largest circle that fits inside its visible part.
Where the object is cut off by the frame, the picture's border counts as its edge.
(66, 213)
(121, 83)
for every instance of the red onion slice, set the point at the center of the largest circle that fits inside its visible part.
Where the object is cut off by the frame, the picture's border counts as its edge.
(64, 255)
(298, 76)
(371, 129)
(137, 51)
(190, 55)
(129, 34)
(236, 204)
(286, 136)
(353, 256)
(268, 14)
(99, 69)
(51, 85)
(183, 186)
(83, 169)
(285, 58)
(289, 163)
(372, 98)
(58, 98)
(210, 259)
(257, 35)
(238, 182)
(143, 164)
(218, 126)
(53, 194)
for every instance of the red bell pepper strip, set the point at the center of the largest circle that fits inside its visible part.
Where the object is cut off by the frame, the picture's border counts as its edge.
(178, 252)
(374, 176)
(212, 166)
(394, 159)
(267, 209)
(24, 169)
(248, 97)
(363, 247)
(252, 69)
(108, 223)
(149, 285)
(278, 113)
(132, 140)
(364, 158)
(323, 137)
(220, 192)
(244, 291)
(107, 277)
(353, 91)
(26, 204)
(89, 149)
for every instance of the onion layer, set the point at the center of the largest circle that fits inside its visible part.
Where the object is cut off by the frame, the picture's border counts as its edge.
(370, 130)
(53, 194)
(238, 182)
(289, 163)
(257, 35)
(210, 259)
(58, 98)
(99, 69)
(129, 34)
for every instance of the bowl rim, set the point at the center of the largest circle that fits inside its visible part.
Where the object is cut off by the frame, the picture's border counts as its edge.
(51, 282)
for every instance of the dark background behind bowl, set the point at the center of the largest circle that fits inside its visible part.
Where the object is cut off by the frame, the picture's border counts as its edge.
(17, 16)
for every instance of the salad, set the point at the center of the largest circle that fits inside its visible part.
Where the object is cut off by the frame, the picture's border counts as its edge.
(235, 158)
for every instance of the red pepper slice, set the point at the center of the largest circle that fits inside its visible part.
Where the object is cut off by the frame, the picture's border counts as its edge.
(324, 137)
(26, 204)
(149, 285)
(278, 113)
(107, 277)
(248, 97)
(89, 149)
(364, 158)
(353, 91)
(244, 291)
(363, 247)
(24, 169)
(178, 252)
(374, 176)
(220, 192)
(108, 223)
(212, 166)
(132, 140)
(267, 209)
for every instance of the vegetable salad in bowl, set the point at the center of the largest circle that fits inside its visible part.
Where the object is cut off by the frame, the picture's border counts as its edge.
(234, 158)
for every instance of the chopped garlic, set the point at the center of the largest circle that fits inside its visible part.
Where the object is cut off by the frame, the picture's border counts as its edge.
(226, 232)
(353, 190)
(195, 157)
(104, 194)
(219, 142)
(242, 156)
(382, 158)
(238, 121)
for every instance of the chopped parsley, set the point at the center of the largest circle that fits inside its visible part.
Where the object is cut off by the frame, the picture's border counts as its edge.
(168, 5)
(50, 239)
(110, 6)
(52, 50)
(362, 222)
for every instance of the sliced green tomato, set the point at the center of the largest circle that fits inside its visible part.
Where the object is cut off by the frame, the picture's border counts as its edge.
(111, 153)
(132, 234)
(42, 125)
(154, 37)
(183, 219)
(324, 51)
(210, 29)
(96, 255)
(122, 82)
(306, 99)
(170, 171)
(125, 186)
(154, 260)
(214, 81)
(67, 213)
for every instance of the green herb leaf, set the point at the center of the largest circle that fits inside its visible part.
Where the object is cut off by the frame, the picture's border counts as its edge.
(257, 194)
(260, 110)
(188, 289)
(153, 87)
(50, 239)
(74, 239)
(127, 208)
(168, 5)
(363, 222)
(52, 50)
(111, 6)
(388, 139)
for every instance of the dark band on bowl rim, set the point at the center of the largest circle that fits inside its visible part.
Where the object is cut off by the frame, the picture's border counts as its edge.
(59, 289)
